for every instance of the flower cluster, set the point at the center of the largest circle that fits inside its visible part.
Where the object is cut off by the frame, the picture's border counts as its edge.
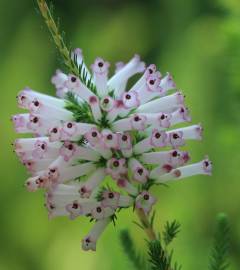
(98, 127)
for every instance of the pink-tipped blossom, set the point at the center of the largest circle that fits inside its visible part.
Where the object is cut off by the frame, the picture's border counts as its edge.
(99, 130)
(145, 201)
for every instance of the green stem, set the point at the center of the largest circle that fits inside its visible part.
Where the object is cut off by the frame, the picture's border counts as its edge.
(146, 224)
(149, 229)
(57, 37)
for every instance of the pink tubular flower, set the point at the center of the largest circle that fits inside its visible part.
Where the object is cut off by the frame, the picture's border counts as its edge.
(145, 201)
(116, 167)
(98, 128)
(100, 71)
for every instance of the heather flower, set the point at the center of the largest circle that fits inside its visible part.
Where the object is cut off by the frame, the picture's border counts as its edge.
(97, 127)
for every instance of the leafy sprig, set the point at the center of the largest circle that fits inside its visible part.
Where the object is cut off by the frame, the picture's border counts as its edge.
(81, 141)
(70, 62)
(101, 163)
(148, 184)
(84, 75)
(103, 121)
(157, 256)
(171, 229)
(81, 110)
(219, 254)
(99, 195)
(57, 36)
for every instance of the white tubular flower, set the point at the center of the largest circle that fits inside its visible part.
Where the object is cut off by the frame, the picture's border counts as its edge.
(77, 87)
(140, 174)
(59, 80)
(95, 107)
(125, 144)
(110, 139)
(77, 57)
(90, 241)
(145, 201)
(92, 183)
(116, 167)
(127, 186)
(100, 70)
(123, 85)
(34, 166)
(165, 104)
(98, 129)
(101, 212)
(71, 151)
(115, 199)
(167, 83)
(202, 167)
(107, 103)
(60, 174)
(132, 67)
(165, 159)
(20, 122)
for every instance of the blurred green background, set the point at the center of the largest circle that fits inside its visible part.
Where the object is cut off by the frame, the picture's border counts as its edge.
(198, 41)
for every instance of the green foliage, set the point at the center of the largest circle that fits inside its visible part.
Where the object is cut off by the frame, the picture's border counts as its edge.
(118, 154)
(139, 225)
(152, 219)
(148, 184)
(81, 111)
(82, 141)
(82, 178)
(103, 122)
(111, 94)
(101, 162)
(171, 229)
(114, 219)
(130, 251)
(219, 254)
(157, 256)
(177, 267)
(57, 36)
(139, 136)
(99, 195)
(132, 111)
(84, 76)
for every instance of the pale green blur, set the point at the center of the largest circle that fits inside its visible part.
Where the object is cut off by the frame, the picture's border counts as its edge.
(198, 41)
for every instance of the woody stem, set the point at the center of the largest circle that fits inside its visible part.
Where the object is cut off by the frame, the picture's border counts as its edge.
(146, 224)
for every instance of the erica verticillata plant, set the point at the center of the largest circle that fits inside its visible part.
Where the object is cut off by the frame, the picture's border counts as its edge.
(97, 128)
